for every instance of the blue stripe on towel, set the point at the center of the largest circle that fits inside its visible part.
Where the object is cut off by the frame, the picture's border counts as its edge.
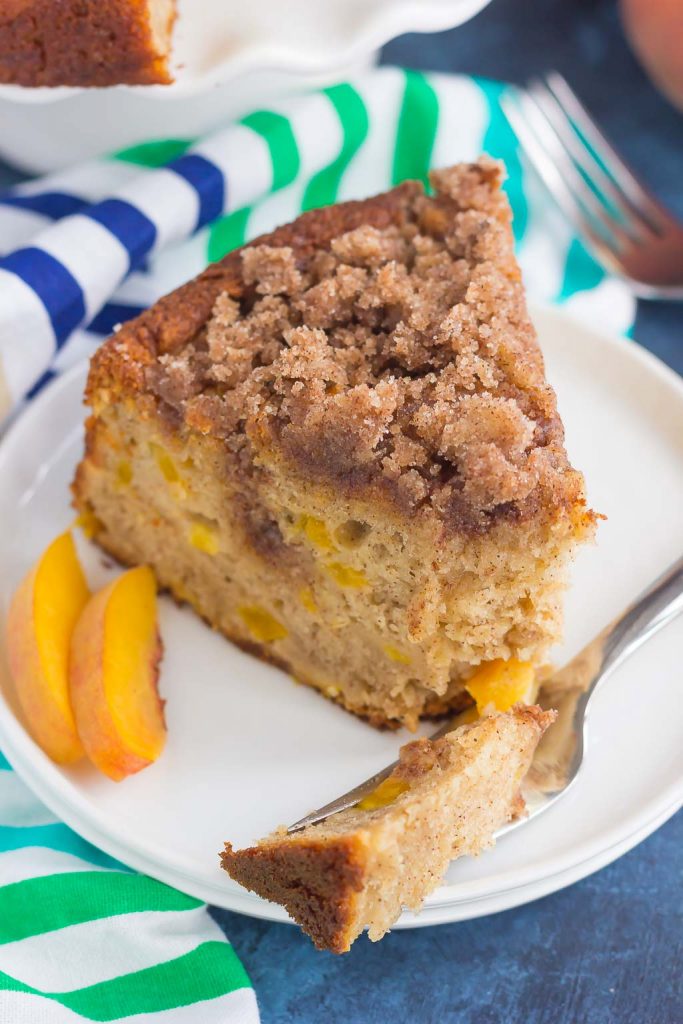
(112, 314)
(38, 386)
(54, 205)
(55, 286)
(135, 231)
(207, 180)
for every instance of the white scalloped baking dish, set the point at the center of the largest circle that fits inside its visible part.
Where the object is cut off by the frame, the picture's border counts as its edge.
(228, 57)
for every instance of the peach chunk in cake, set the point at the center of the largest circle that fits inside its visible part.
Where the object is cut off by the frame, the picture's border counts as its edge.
(338, 445)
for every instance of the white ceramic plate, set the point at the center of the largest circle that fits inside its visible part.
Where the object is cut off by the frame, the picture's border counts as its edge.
(248, 750)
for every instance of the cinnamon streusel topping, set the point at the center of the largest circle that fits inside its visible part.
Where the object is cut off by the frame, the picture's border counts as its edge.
(399, 359)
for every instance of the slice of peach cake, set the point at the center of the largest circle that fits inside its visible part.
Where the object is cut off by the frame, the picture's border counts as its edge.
(339, 446)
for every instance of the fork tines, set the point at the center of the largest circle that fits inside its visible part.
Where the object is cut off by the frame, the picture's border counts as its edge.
(588, 179)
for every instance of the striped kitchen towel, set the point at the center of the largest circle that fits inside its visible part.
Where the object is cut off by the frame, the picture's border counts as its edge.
(84, 939)
(84, 249)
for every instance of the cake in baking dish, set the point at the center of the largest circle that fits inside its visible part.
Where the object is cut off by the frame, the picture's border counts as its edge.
(446, 798)
(85, 42)
(339, 446)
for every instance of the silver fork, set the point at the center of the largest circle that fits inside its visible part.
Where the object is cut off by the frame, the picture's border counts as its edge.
(560, 753)
(628, 231)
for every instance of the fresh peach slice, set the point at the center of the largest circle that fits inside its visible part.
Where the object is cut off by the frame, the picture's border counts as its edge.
(113, 673)
(41, 619)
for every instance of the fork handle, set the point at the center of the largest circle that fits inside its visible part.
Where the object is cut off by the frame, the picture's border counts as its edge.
(658, 605)
(651, 611)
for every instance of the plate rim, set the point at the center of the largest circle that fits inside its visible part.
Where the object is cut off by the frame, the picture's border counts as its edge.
(62, 797)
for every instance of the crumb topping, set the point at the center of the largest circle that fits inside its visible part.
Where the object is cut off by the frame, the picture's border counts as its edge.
(399, 358)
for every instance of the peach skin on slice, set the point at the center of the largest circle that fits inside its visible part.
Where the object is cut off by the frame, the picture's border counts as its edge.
(113, 675)
(41, 619)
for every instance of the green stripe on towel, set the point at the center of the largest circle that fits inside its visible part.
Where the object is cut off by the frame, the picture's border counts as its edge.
(209, 971)
(49, 902)
(323, 187)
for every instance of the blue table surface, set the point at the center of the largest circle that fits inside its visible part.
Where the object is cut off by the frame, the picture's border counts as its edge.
(609, 949)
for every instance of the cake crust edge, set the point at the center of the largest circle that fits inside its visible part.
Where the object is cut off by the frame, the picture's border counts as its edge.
(329, 876)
